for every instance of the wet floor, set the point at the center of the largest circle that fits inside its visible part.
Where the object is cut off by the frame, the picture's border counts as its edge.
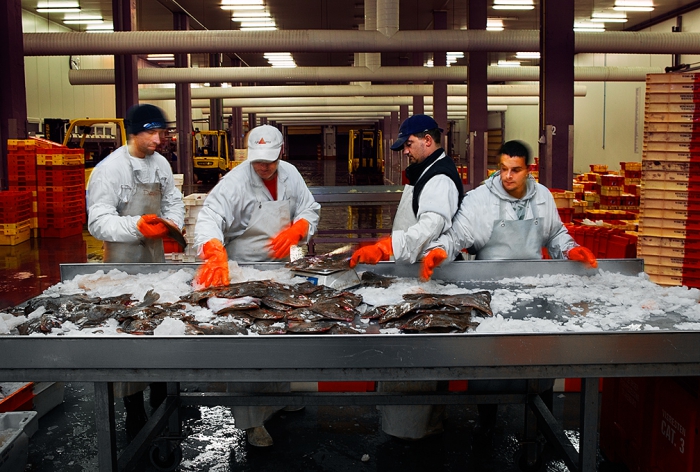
(318, 438)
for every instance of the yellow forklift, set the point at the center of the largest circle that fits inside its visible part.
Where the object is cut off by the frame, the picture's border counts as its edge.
(365, 157)
(98, 137)
(210, 154)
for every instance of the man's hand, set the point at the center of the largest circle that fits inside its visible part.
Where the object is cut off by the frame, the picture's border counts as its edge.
(151, 227)
(285, 239)
(582, 254)
(432, 259)
(380, 251)
(214, 271)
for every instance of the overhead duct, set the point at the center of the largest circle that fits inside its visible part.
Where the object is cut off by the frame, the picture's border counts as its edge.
(387, 17)
(369, 90)
(350, 41)
(455, 74)
(350, 103)
(373, 60)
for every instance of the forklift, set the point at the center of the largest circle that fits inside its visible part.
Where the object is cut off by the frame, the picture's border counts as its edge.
(365, 157)
(210, 155)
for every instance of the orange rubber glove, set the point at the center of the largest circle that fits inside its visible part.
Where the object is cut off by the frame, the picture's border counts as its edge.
(380, 251)
(150, 227)
(582, 254)
(432, 259)
(214, 271)
(285, 239)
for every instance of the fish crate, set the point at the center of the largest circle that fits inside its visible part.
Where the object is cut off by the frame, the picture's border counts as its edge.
(15, 429)
(171, 246)
(61, 232)
(63, 176)
(16, 396)
(60, 157)
(562, 198)
(47, 396)
(13, 234)
(62, 194)
(14, 205)
(631, 166)
(21, 145)
(62, 220)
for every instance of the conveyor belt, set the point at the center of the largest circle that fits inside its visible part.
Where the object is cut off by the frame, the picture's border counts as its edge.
(589, 355)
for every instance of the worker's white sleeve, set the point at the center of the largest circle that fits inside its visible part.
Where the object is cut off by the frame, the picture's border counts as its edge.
(437, 205)
(171, 205)
(307, 208)
(104, 222)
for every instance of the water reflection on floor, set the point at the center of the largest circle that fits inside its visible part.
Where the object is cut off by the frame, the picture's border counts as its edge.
(29, 268)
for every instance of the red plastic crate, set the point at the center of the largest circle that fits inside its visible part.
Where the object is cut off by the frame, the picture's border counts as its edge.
(673, 430)
(61, 194)
(21, 186)
(54, 176)
(19, 400)
(362, 386)
(7, 216)
(60, 232)
(21, 144)
(61, 220)
(566, 214)
(61, 206)
(21, 167)
(170, 245)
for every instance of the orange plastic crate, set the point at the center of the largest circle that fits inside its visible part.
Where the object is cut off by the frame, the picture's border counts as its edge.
(18, 400)
(60, 232)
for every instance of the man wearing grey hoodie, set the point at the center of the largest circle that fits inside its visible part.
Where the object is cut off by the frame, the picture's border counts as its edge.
(510, 216)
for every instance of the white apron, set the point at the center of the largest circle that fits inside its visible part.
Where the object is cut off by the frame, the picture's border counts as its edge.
(267, 220)
(146, 200)
(406, 421)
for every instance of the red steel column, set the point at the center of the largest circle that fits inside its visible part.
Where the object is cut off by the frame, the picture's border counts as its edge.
(477, 103)
(183, 112)
(440, 86)
(126, 82)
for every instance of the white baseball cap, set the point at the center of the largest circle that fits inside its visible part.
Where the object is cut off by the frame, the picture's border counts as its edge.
(264, 143)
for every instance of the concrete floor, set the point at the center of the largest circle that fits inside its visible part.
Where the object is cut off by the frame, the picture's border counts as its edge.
(317, 438)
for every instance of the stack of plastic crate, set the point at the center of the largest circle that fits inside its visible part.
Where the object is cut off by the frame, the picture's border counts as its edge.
(669, 222)
(15, 217)
(61, 192)
(193, 205)
(21, 170)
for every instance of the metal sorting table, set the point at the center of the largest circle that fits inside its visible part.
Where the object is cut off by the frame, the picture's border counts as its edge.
(532, 356)
(356, 195)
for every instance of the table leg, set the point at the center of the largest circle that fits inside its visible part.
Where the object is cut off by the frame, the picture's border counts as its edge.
(106, 430)
(589, 424)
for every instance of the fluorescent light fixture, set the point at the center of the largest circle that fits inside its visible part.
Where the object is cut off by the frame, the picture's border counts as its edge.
(242, 7)
(250, 14)
(59, 10)
(257, 28)
(633, 5)
(161, 57)
(503, 63)
(86, 21)
(609, 18)
(429, 63)
(589, 28)
(455, 54)
(513, 5)
(241, 2)
(257, 24)
(241, 19)
(527, 55)
(493, 24)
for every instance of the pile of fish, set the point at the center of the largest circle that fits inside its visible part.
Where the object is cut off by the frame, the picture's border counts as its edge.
(259, 307)
(332, 261)
(432, 312)
(267, 307)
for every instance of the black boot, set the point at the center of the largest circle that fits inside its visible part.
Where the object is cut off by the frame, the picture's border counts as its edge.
(135, 414)
(159, 390)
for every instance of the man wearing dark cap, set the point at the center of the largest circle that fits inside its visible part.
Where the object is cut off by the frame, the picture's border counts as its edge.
(429, 202)
(127, 194)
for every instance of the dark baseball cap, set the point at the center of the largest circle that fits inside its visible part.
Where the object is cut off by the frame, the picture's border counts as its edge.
(414, 124)
(144, 117)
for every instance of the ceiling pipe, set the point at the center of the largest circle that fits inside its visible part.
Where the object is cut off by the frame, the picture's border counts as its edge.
(350, 41)
(352, 103)
(388, 17)
(372, 61)
(456, 74)
(370, 90)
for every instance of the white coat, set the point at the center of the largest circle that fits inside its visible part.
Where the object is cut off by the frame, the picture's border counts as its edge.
(437, 206)
(113, 184)
(229, 206)
(473, 225)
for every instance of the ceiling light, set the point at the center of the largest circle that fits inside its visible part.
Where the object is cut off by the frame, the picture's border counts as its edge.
(240, 19)
(85, 21)
(264, 28)
(161, 57)
(252, 14)
(589, 27)
(503, 63)
(513, 5)
(633, 5)
(100, 27)
(609, 20)
(257, 24)
(59, 10)
(528, 55)
(242, 7)
(494, 24)
(241, 2)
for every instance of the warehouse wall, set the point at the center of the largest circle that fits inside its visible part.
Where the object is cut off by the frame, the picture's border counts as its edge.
(609, 120)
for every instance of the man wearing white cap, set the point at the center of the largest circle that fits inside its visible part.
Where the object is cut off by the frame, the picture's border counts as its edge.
(255, 213)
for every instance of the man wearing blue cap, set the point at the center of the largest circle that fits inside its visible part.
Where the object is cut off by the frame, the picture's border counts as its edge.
(429, 202)
(129, 191)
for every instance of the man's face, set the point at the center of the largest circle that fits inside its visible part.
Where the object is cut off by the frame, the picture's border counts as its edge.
(265, 170)
(417, 149)
(146, 142)
(514, 175)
